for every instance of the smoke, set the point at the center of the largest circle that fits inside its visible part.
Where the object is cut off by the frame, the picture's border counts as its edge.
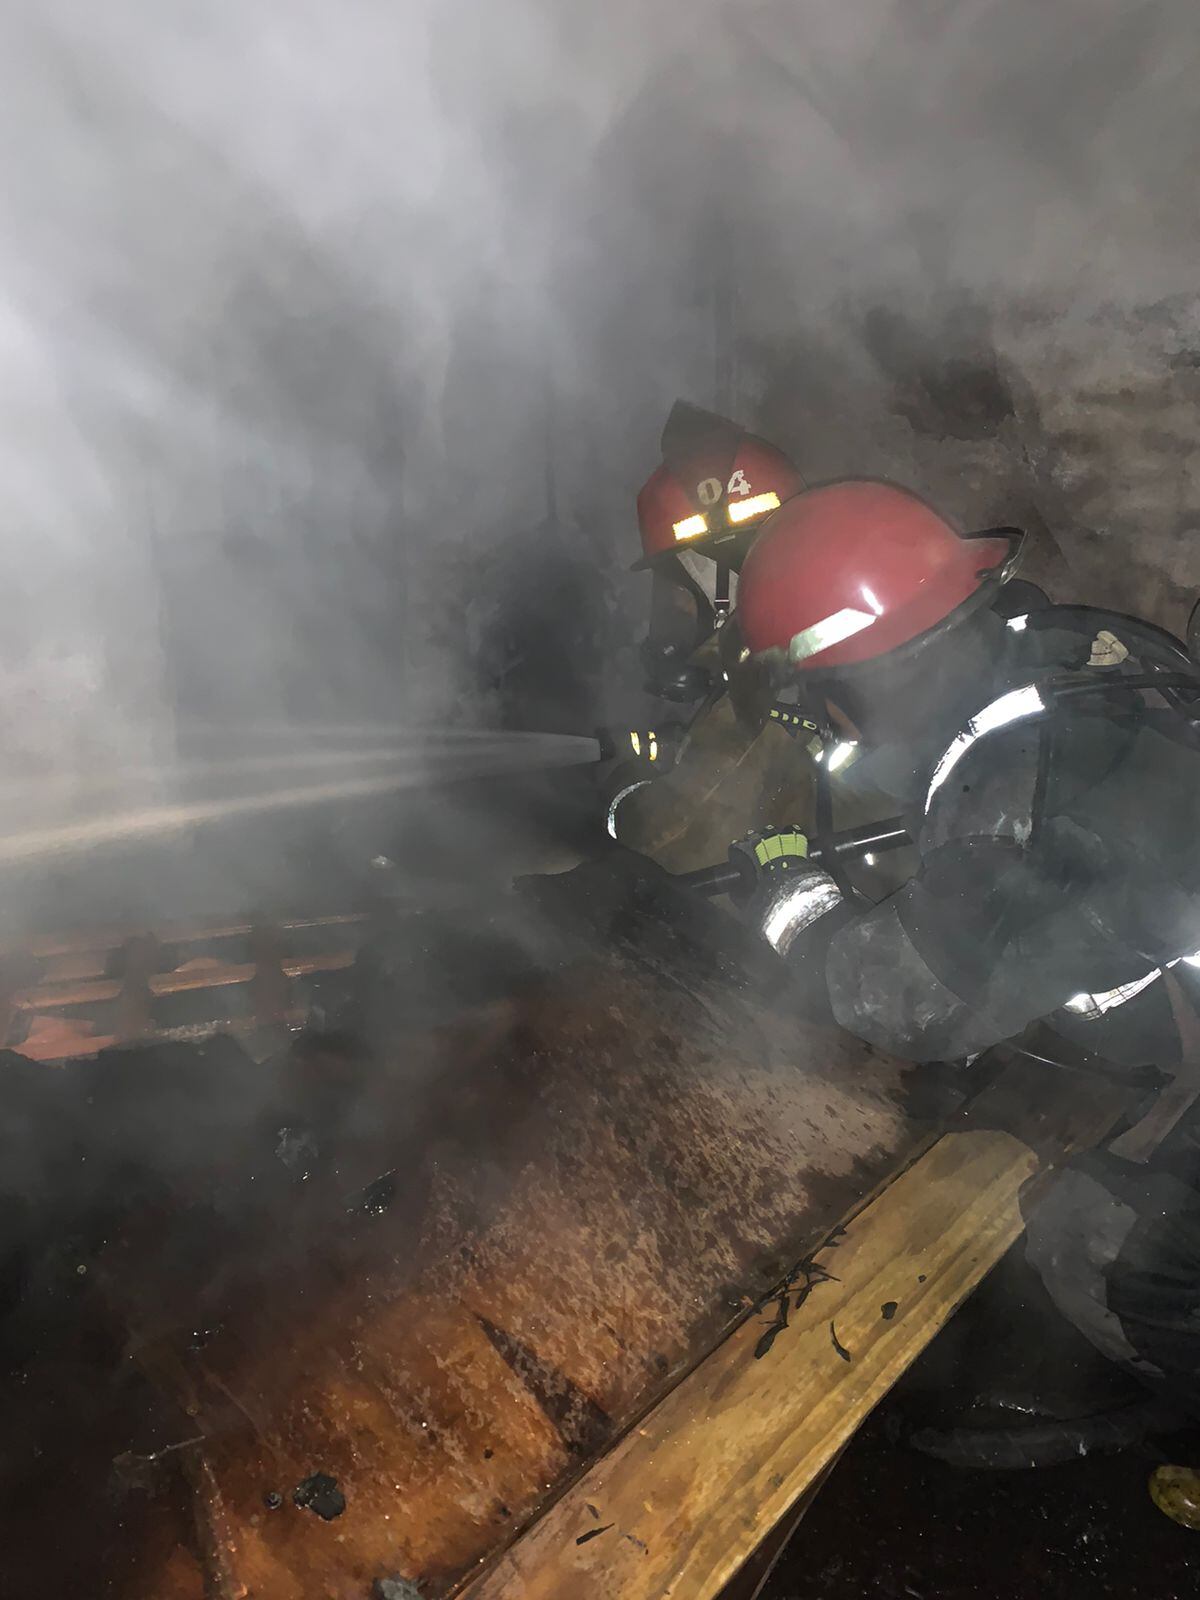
(337, 337)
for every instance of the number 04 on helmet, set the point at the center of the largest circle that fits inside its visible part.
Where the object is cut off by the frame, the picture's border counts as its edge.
(715, 488)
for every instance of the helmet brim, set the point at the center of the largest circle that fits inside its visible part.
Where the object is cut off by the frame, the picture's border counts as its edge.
(731, 542)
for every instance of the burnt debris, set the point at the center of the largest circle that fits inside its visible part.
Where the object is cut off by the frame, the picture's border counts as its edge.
(582, 1424)
(769, 1337)
(395, 1589)
(298, 1150)
(803, 1278)
(375, 1199)
(888, 1309)
(321, 1495)
(594, 1533)
(838, 1345)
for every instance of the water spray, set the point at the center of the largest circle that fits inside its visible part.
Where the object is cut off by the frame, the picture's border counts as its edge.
(424, 758)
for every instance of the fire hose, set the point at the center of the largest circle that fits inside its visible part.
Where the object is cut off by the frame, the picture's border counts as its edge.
(735, 874)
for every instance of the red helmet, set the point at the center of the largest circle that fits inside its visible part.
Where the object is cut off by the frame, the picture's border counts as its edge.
(846, 573)
(715, 488)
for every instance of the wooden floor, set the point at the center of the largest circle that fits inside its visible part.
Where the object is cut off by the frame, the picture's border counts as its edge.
(498, 1297)
(519, 1236)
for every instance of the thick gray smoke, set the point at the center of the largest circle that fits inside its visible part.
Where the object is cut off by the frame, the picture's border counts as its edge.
(337, 335)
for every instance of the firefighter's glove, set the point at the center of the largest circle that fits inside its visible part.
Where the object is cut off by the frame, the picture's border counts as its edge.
(670, 675)
(770, 854)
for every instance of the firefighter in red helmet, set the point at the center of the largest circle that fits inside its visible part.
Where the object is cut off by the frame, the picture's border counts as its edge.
(1043, 762)
(698, 514)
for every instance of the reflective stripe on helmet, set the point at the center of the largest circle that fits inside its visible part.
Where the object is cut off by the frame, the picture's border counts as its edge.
(743, 510)
(829, 631)
(690, 527)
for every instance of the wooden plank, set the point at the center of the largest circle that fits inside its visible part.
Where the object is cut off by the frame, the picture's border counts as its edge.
(50, 946)
(689, 1494)
(140, 958)
(753, 1576)
(268, 986)
(193, 975)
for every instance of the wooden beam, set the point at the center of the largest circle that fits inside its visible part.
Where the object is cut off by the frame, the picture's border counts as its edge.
(209, 974)
(687, 1496)
(49, 946)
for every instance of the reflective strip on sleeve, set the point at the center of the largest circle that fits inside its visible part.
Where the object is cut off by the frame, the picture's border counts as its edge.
(811, 898)
(622, 794)
(1010, 707)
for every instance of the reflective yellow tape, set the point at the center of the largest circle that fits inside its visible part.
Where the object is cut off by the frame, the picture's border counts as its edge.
(778, 846)
(690, 528)
(743, 510)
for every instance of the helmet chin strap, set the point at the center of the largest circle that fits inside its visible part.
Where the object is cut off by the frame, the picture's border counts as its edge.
(722, 594)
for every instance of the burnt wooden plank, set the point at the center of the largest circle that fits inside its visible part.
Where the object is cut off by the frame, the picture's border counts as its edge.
(83, 940)
(140, 958)
(192, 975)
(268, 984)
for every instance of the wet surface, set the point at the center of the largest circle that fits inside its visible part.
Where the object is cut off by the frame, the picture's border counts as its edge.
(893, 1523)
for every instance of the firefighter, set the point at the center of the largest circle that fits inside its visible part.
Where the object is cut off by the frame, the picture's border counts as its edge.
(1045, 762)
(698, 514)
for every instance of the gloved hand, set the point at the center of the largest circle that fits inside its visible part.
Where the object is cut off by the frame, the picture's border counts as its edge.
(670, 675)
(769, 854)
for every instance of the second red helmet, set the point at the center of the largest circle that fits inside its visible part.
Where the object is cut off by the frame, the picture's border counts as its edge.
(846, 573)
(715, 488)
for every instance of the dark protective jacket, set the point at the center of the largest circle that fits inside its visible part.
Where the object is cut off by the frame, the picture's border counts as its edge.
(1059, 845)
